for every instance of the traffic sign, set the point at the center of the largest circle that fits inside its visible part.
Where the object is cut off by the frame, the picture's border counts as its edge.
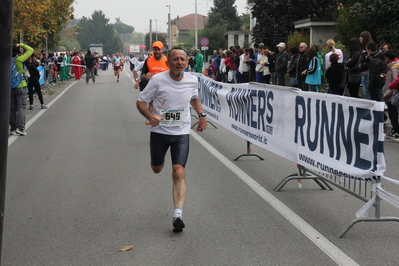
(204, 41)
(204, 48)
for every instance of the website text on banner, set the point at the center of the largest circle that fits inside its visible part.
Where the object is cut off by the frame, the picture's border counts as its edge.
(333, 134)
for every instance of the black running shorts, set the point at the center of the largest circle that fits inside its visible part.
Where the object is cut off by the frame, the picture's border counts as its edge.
(179, 146)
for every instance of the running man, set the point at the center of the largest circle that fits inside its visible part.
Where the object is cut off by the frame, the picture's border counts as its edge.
(117, 61)
(172, 92)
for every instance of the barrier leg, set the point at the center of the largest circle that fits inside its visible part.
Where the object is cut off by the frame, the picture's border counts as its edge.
(303, 175)
(355, 221)
(249, 153)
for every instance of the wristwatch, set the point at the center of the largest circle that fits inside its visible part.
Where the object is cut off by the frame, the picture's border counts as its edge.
(201, 114)
(136, 79)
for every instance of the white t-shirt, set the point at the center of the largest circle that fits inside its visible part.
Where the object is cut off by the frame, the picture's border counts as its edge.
(171, 99)
(117, 61)
(138, 67)
(327, 57)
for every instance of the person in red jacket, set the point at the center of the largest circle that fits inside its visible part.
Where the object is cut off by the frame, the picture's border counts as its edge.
(77, 69)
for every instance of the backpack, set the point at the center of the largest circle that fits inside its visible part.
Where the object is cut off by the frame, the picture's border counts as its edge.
(16, 78)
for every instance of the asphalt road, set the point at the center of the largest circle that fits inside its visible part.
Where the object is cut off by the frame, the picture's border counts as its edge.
(80, 187)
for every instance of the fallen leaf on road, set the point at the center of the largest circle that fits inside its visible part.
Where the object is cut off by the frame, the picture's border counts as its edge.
(126, 248)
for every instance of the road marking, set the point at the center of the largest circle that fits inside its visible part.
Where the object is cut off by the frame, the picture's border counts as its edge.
(318, 239)
(13, 138)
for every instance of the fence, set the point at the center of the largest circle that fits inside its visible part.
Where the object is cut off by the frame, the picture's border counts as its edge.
(334, 140)
(370, 192)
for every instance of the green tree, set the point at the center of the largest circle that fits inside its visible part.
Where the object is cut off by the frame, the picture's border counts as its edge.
(348, 24)
(37, 20)
(275, 18)
(97, 29)
(221, 18)
(224, 12)
(380, 18)
(123, 28)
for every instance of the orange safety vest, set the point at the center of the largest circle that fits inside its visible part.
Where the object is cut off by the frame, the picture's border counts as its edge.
(154, 66)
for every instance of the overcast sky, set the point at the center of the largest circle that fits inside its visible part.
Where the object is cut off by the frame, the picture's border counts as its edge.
(138, 13)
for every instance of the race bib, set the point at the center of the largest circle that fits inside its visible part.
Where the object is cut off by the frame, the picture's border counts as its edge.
(173, 117)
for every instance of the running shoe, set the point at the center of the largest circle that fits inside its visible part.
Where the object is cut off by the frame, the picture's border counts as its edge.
(13, 132)
(31, 107)
(21, 132)
(178, 224)
(44, 106)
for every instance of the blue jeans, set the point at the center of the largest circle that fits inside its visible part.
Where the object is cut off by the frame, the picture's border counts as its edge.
(17, 109)
(365, 82)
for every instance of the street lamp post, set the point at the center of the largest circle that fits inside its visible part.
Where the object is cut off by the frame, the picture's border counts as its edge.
(196, 26)
(170, 28)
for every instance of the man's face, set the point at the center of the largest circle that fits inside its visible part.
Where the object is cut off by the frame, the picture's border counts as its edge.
(177, 62)
(157, 52)
(150, 53)
(302, 47)
(280, 49)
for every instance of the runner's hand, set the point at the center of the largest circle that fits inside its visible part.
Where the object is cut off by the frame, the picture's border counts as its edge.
(155, 119)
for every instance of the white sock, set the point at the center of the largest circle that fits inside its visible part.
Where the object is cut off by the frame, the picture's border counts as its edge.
(178, 212)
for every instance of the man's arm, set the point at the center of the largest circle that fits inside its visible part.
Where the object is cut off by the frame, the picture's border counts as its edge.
(143, 109)
(202, 123)
(136, 79)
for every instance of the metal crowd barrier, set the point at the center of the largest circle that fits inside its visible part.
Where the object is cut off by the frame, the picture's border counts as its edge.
(370, 192)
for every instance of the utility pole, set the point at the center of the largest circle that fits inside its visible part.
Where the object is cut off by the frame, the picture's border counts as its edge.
(196, 27)
(170, 28)
(6, 13)
(150, 34)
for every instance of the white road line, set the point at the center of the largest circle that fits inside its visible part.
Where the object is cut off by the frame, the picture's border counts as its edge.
(13, 138)
(318, 239)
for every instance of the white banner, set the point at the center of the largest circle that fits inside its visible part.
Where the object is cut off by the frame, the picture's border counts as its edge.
(328, 133)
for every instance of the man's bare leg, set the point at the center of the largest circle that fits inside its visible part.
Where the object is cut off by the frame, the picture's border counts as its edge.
(179, 194)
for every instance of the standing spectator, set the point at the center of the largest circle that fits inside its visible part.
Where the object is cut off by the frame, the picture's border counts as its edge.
(244, 67)
(334, 75)
(377, 67)
(77, 69)
(321, 59)
(105, 62)
(365, 38)
(236, 52)
(251, 62)
(34, 86)
(199, 62)
(216, 64)
(386, 47)
(259, 68)
(264, 61)
(282, 63)
(64, 68)
(90, 60)
(222, 67)
(18, 94)
(291, 70)
(354, 75)
(302, 66)
(312, 73)
(331, 46)
(392, 73)
(231, 67)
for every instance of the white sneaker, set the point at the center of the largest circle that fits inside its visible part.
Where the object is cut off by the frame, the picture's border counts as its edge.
(13, 132)
(21, 132)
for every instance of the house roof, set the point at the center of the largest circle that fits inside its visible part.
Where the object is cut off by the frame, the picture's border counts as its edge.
(188, 22)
